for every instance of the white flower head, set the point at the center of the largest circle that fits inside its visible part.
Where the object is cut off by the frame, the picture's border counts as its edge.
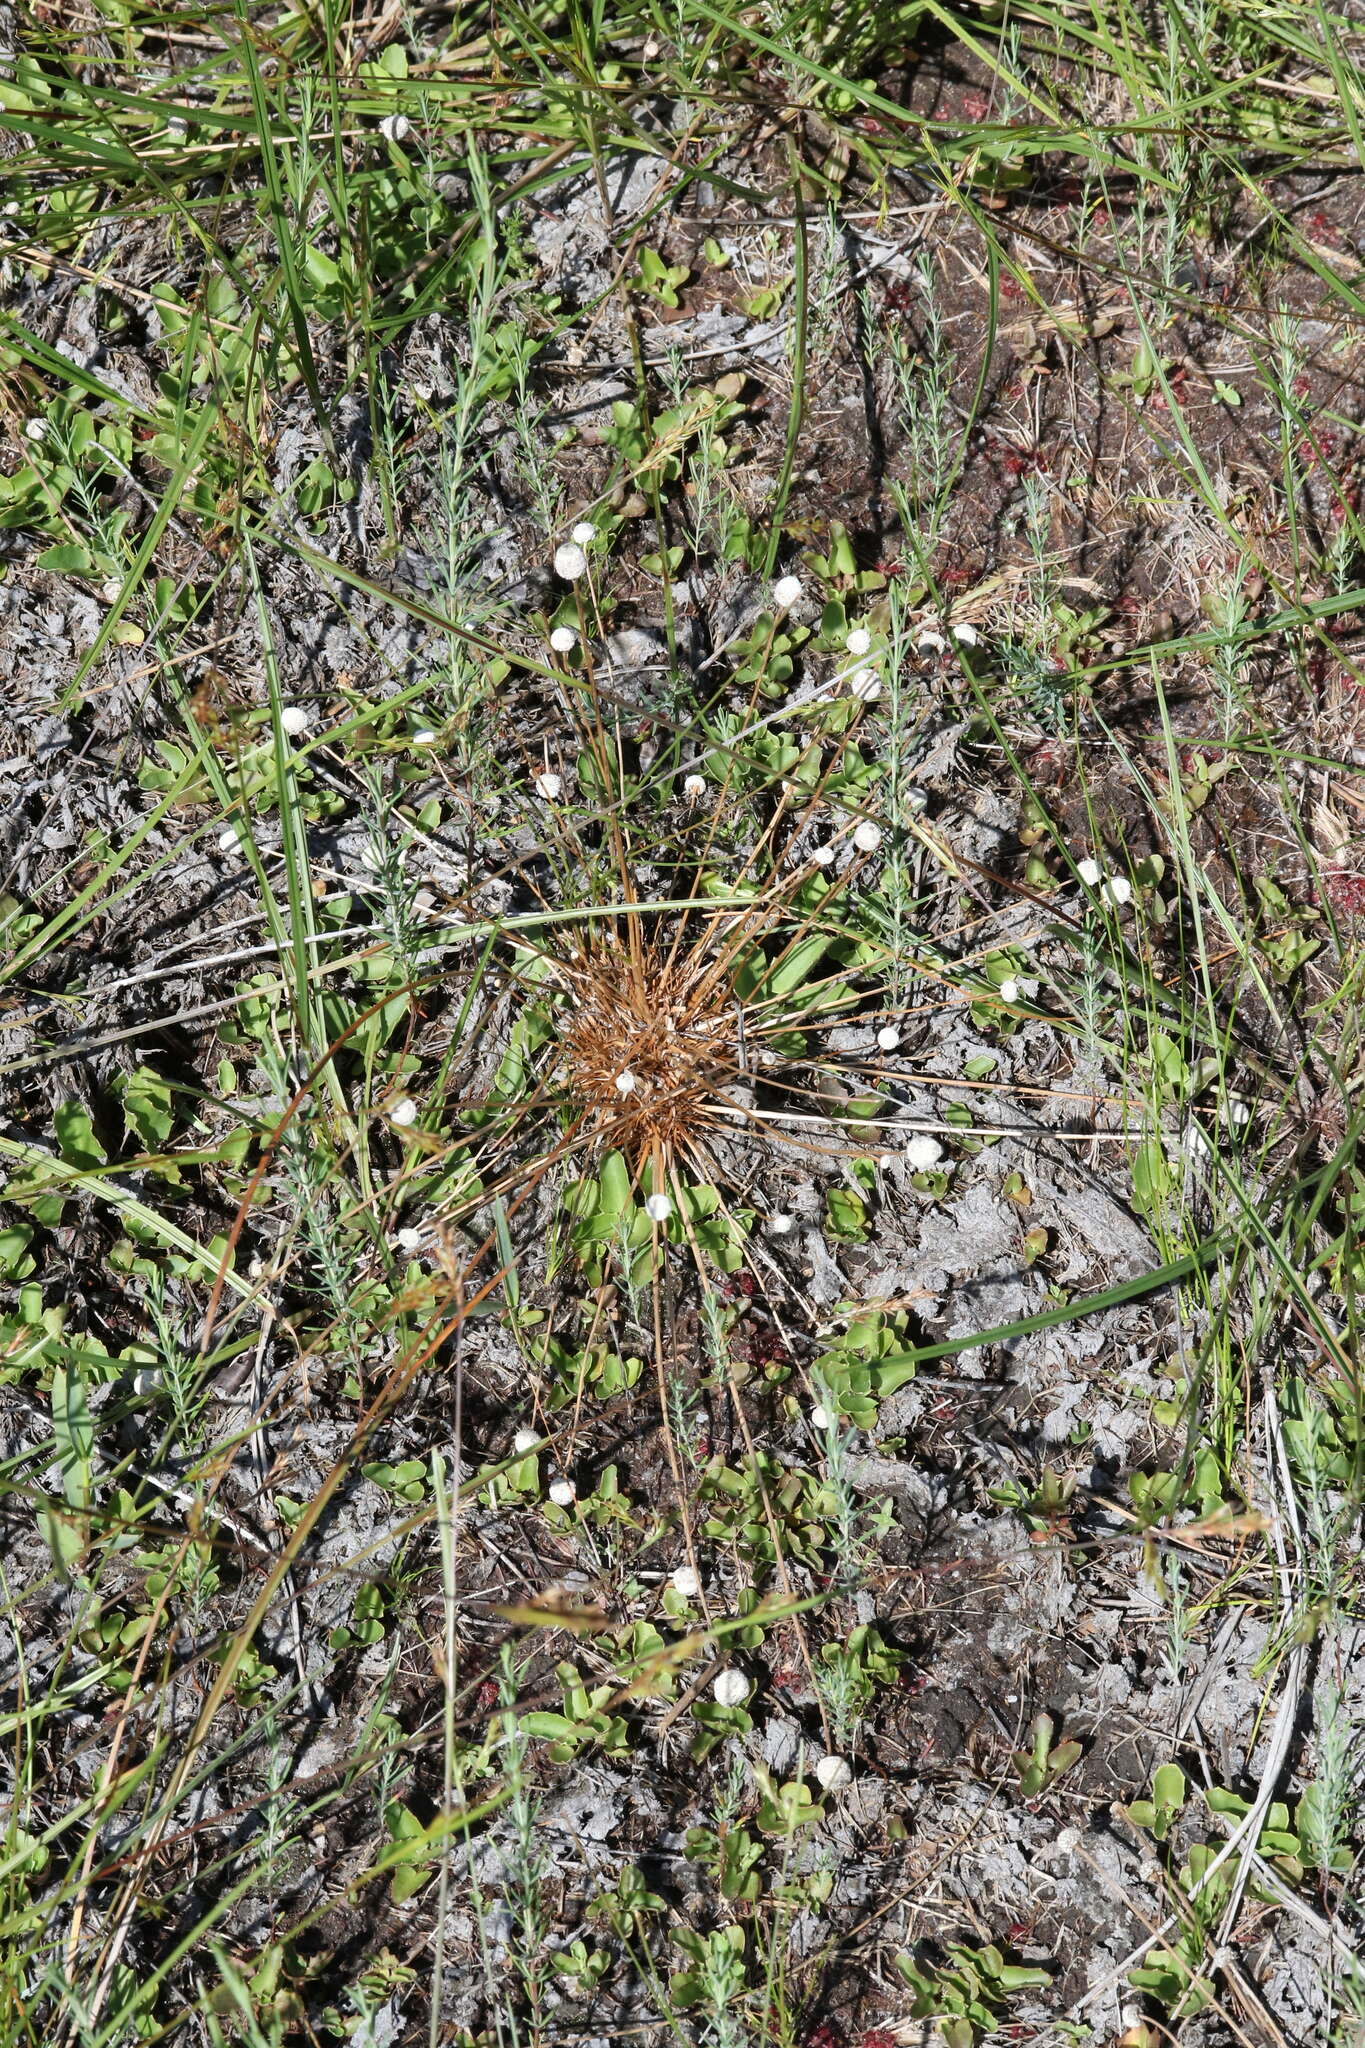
(1116, 890)
(626, 1083)
(294, 720)
(1009, 990)
(584, 534)
(730, 1688)
(550, 786)
(867, 838)
(859, 641)
(930, 642)
(111, 590)
(407, 1239)
(394, 127)
(525, 1440)
(685, 1582)
(563, 1492)
(965, 635)
(819, 1416)
(424, 737)
(866, 685)
(781, 1223)
(888, 1038)
(35, 429)
(694, 788)
(834, 1774)
(822, 856)
(404, 1112)
(922, 1153)
(1089, 872)
(563, 639)
(787, 592)
(659, 1208)
(570, 561)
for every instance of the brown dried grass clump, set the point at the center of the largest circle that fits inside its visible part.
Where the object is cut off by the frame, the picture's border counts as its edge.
(652, 1044)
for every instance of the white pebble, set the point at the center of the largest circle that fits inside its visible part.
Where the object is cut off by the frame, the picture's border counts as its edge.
(424, 737)
(931, 643)
(570, 561)
(1089, 872)
(404, 1112)
(176, 129)
(659, 1208)
(787, 592)
(1239, 1112)
(1116, 891)
(834, 1773)
(111, 590)
(550, 786)
(227, 840)
(922, 1153)
(1195, 1144)
(563, 1492)
(888, 1038)
(866, 685)
(526, 1440)
(1068, 1841)
(1009, 990)
(395, 127)
(730, 1688)
(685, 1581)
(294, 720)
(858, 641)
(965, 635)
(781, 1223)
(563, 639)
(819, 1416)
(867, 838)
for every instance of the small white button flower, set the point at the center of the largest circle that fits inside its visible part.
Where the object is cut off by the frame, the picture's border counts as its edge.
(867, 838)
(819, 1416)
(584, 534)
(1089, 872)
(1009, 990)
(563, 1492)
(730, 1688)
(526, 1440)
(403, 1112)
(563, 639)
(659, 1208)
(866, 685)
(294, 720)
(35, 430)
(685, 1582)
(626, 1083)
(965, 635)
(395, 127)
(822, 856)
(550, 786)
(408, 1239)
(930, 642)
(888, 1038)
(111, 590)
(781, 1223)
(787, 592)
(570, 561)
(859, 641)
(1195, 1145)
(694, 788)
(922, 1153)
(834, 1774)
(1116, 890)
